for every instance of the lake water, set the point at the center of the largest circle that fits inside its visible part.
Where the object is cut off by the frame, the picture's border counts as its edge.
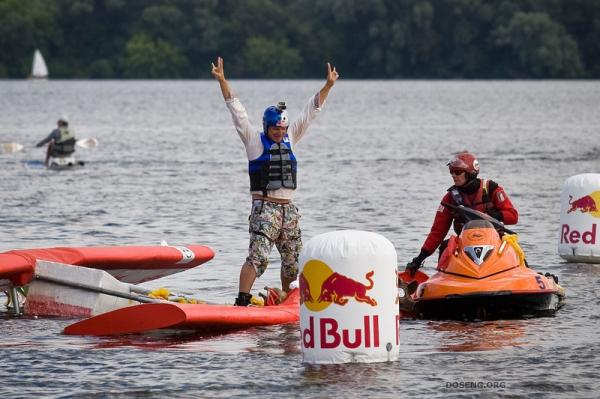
(169, 166)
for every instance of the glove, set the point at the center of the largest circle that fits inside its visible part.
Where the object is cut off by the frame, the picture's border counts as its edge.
(495, 214)
(416, 263)
(413, 266)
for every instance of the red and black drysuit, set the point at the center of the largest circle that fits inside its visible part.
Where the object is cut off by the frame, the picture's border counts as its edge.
(483, 195)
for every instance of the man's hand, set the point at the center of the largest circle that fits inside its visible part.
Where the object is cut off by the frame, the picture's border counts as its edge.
(219, 73)
(332, 75)
(217, 70)
(413, 266)
(417, 262)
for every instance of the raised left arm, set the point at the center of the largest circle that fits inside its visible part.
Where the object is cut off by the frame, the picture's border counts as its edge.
(332, 77)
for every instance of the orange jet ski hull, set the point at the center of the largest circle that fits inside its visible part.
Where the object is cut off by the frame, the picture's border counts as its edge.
(481, 276)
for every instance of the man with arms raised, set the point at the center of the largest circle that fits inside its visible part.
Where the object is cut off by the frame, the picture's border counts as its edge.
(274, 219)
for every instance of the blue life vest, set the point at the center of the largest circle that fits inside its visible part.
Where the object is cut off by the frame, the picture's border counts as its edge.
(274, 168)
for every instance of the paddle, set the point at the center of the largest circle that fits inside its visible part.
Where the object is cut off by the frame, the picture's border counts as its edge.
(99, 290)
(87, 142)
(472, 214)
(11, 148)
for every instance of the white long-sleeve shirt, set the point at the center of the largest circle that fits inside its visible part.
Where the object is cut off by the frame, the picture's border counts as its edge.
(251, 137)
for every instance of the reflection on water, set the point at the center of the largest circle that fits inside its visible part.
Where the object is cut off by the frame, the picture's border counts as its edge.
(346, 375)
(280, 340)
(478, 336)
(158, 339)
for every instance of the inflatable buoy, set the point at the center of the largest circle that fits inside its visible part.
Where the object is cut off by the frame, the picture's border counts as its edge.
(348, 293)
(579, 239)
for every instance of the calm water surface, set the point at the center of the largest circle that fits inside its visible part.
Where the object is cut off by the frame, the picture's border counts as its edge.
(170, 167)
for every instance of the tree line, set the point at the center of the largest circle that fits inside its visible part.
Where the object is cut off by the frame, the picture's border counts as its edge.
(365, 39)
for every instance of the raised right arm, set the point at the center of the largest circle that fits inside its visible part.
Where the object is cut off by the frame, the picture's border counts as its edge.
(239, 116)
(219, 73)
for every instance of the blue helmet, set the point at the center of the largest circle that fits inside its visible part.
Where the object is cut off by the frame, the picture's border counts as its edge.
(275, 116)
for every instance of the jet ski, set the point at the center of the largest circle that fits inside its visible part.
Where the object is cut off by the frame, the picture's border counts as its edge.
(480, 276)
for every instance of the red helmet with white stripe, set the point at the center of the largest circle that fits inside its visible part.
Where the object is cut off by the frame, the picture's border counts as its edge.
(466, 162)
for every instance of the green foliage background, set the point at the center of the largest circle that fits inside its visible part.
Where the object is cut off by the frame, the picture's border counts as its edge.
(147, 39)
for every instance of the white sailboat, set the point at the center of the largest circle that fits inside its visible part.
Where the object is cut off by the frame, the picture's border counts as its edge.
(39, 69)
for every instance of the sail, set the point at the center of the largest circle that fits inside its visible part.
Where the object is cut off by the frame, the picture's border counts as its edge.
(39, 69)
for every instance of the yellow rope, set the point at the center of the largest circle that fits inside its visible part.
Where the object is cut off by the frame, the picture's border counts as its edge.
(164, 293)
(257, 301)
(160, 293)
(513, 240)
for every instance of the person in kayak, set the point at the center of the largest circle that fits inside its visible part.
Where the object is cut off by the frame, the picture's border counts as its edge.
(61, 140)
(274, 219)
(468, 190)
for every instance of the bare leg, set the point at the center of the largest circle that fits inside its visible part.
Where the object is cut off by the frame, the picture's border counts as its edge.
(285, 282)
(48, 151)
(247, 277)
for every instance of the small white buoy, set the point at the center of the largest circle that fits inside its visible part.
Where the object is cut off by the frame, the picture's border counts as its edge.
(348, 299)
(579, 239)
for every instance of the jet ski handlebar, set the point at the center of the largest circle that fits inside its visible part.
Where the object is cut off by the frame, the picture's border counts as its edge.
(471, 214)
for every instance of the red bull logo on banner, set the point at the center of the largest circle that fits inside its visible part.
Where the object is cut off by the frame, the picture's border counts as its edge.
(589, 204)
(320, 287)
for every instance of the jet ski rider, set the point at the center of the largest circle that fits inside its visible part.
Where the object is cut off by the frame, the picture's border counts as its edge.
(274, 219)
(483, 195)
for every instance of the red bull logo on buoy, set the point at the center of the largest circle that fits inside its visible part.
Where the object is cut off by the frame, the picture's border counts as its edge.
(579, 234)
(320, 287)
(589, 204)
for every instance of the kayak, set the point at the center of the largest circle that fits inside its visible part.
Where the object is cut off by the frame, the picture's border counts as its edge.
(481, 276)
(64, 163)
(41, 165)
(129, 264)
(202, 318)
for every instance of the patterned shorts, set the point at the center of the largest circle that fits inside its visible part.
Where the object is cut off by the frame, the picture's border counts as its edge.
(278, 224)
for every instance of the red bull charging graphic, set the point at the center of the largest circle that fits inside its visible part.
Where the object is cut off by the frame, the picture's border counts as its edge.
(320, 287)
(587, 204)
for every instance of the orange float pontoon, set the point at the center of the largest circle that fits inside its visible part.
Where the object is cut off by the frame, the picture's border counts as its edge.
(206, 318)
(129, 264)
